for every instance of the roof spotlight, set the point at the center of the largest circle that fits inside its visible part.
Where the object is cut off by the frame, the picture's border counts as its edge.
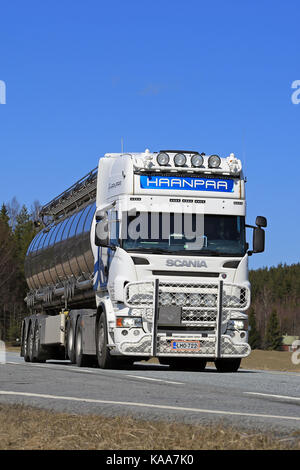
(180, 159)
(197, 160)
(163, 159)
(214, 161)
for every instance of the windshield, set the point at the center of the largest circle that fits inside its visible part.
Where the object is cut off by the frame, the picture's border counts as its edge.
(215, 235)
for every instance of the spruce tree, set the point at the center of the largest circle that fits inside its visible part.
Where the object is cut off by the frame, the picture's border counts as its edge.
(24, 233)
(273, 337)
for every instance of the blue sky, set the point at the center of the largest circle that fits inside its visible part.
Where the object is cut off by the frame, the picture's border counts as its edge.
(209, 76)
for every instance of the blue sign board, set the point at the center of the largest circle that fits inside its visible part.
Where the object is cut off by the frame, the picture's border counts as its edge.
(186, 183)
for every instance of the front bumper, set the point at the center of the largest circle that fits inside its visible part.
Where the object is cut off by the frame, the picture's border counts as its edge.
(208, 347)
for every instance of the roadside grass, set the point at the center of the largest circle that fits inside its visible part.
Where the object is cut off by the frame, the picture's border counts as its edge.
(271, 360)
(27, 428)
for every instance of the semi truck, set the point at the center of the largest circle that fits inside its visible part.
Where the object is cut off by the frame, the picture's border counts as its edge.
(144, 257)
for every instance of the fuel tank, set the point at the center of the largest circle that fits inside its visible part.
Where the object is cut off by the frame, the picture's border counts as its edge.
(62, 250)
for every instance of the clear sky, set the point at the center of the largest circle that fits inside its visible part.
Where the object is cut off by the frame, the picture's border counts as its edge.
(209, 76)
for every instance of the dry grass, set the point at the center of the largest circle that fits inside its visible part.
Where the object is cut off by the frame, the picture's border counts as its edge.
(270, 360)
(27, 428)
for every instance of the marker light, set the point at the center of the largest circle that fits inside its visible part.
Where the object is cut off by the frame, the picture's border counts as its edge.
(197, 160)
(214, 161)
(179, 159)
(163, 159)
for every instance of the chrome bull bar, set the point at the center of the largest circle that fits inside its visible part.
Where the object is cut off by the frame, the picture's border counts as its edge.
(206, 304)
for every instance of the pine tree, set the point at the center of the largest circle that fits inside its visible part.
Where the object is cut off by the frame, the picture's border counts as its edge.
(4, 217)
(273, 336)
(254, 336)
(24, 233)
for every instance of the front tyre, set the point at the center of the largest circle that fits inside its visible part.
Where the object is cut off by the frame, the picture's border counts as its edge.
(228, 365)
(105, 361)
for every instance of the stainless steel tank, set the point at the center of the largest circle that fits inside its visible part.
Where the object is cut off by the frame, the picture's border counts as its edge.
(61, 251)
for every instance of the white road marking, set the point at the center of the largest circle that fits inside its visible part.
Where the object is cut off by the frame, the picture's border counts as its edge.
(146, 405)
(155, 380)
(273, 396)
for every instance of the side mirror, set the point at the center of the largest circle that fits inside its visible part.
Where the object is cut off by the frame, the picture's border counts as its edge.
(258, 240)
(101, 233)
(261, 221)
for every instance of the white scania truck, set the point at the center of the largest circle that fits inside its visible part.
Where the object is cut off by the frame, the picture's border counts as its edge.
(146, 256)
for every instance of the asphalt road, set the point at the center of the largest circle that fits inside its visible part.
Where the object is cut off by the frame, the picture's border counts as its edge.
(249, 399)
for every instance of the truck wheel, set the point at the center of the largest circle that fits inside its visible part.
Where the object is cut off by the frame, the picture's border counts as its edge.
(227, 365)
(105, 361)
(82, 360)
(71, 343)
(26, 340)
(31, 344)
(37, 349)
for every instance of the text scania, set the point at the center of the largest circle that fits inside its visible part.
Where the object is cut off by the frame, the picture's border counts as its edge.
(188, 263)
(195, 184)
(172, 459)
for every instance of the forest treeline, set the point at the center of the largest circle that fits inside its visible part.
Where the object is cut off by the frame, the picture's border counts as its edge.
(16, 232)
(275, 306)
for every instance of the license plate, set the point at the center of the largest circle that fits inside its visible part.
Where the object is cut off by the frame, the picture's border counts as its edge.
(186, 345)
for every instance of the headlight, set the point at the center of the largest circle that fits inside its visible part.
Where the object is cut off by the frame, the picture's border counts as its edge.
(165, 298)
(163, 159)
(197, 160)
(129, 322)
(240, 324)
(214, 161)
(209, 300)
(195, 300)
(180, 299)
(179, 159)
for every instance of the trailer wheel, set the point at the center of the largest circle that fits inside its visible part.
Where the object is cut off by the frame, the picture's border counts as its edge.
(26, 354)
(31, 343)
(227, 365)
(71, 343)
(105, 361)
(82, 360)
